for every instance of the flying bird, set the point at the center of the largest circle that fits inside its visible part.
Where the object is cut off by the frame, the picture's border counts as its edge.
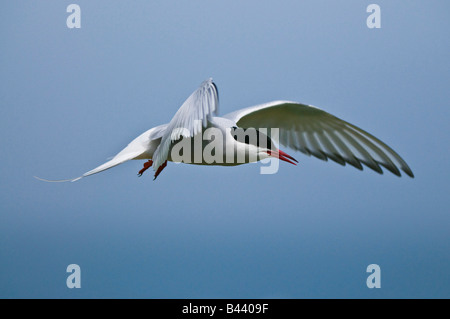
(243, 136)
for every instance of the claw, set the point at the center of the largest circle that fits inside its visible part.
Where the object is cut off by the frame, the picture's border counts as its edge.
(160, 169)
(147, 165)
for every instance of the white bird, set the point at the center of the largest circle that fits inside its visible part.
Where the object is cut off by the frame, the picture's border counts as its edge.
(304, 128)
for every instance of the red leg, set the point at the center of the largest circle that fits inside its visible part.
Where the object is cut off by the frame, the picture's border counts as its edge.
(160, 169)
(147, 165)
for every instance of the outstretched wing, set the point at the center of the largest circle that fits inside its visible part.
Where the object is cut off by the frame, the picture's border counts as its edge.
(138, 148)
(189, 119)
(315, 132)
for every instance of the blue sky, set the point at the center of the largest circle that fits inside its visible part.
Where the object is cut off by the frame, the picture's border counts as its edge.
(71, 98)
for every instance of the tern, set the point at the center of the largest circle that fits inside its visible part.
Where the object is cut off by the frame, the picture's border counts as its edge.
(301, 127)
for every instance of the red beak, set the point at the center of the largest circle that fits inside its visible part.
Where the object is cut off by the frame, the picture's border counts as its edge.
(283, 156)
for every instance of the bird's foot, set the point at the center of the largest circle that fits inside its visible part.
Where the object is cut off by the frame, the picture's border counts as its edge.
(160, 169)
(147, 165)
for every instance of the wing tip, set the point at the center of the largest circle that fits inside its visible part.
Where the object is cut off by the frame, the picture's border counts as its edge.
(409, 172)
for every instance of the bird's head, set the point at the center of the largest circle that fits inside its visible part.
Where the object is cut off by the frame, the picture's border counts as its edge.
(260, 143)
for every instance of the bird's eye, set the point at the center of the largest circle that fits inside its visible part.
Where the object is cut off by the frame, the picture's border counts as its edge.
(269, 143)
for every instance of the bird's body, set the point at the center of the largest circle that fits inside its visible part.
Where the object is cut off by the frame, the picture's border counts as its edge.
(196, 136)
(150, 140)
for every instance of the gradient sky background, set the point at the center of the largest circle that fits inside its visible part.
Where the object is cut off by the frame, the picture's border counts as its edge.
(71, 98)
